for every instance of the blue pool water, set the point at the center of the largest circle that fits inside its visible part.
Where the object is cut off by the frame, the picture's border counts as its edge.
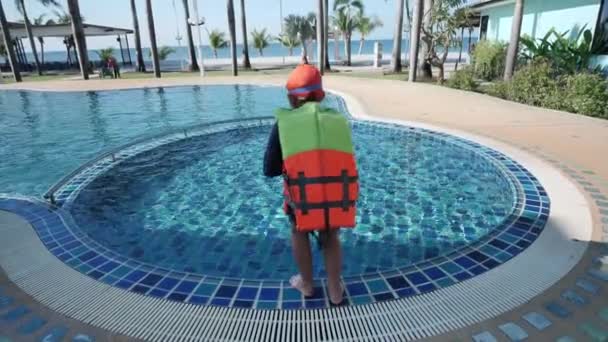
(201, 205)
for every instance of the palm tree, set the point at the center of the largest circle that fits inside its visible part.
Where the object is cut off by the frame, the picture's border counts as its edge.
(105, 54)
(320, 28)
(246, 62)
(290, 42)
(232, 33)
(141, 66)
(79, 37)
(300, 28)
(397, 38)
(326, 33)
(217, 40)
(40, 21)
(8, 46)
(424, 65)
(193, 64)
(164, 52)
(152, 31)
(365, 27)
(514, 42)
(261, 40)
(20, 4)
(415, 26)
(348, 11)
(64, 18)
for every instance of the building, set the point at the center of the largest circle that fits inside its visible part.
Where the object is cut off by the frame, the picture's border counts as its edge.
(540, 16)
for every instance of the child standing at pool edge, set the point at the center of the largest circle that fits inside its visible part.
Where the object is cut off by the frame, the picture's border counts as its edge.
(312, 148)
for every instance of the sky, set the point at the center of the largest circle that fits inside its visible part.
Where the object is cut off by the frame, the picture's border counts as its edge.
(260, 14)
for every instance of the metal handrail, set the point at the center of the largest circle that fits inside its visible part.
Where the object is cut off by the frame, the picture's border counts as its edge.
(50, 193)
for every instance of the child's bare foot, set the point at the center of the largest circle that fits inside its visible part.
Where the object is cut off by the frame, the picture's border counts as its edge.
(299, 284)
(336, 292)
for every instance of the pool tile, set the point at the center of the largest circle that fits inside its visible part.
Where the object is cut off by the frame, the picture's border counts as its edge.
(377, 286)
(537, 320)
(451, 268)
(199, 300)
(205, 289)
(557, 310)
(465, 262)
(220, 301)
(83, 338)
(291, 305)
(416, 278)
(15, 314)
(485, 336)
(290, 294)
(178, 297)
(55, 334)
(356, 289)
(588, 286)
(426, 288)
(445, 282)
(513, 331)
(314, 304)
(243, 304)
(151, 279)
(158, 293)
(594, 332)
(247, 293)
(5, 301)
(186, 286)
(269, 294)
(167, 283)
(398, 282)
(360, 300)
(598, 274)
(31, 326)
(266, 305)
(574, 298)
(565, 339)
(463, 276)
(604, 314)
(406, 292)
(383, 296)
(434, 273)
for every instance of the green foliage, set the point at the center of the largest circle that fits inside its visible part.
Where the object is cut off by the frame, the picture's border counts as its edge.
(463, 79)
(567, 54)
(105, 54)
(498, 89)
(261, 39)
(300, 27)
(585, 93)
(289, 42)
(164, 52)
(489, 59)
(19, 4)
(534, 84)
(217, 40)
(367, 25)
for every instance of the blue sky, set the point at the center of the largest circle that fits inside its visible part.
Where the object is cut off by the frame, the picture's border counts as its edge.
(260, 14)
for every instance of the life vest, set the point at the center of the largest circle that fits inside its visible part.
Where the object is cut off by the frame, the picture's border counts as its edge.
(321, 180)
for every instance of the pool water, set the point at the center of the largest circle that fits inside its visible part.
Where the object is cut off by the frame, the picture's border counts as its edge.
(202, 205)
(45, 135)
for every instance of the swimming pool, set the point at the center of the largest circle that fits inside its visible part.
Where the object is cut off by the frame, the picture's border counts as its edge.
(195, 210)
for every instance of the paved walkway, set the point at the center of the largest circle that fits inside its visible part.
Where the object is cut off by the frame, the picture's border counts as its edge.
(577, 306)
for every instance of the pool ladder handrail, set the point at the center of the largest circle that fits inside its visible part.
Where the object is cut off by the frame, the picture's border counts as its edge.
(49, 195)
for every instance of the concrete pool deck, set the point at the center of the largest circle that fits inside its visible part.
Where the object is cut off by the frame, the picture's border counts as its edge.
(574, 144)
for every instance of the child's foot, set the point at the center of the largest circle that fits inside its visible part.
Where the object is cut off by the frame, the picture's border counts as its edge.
(336, 293)
(299, 284)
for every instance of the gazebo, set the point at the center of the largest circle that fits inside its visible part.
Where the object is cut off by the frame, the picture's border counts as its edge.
(18, 33)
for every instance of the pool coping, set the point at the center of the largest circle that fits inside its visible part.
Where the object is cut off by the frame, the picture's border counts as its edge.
(535, 283)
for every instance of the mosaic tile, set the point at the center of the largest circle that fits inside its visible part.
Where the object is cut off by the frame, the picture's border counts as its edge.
(5, 302)
(31, 326)
(537, 320)
(565, 339)
(15, 314)
(588, 286)
(485, 336)
(513, 331)
(83, 338)
(557, 310)
(598, 274)
(594, 332)
(604, 314)
(55, 334)
(574, 298)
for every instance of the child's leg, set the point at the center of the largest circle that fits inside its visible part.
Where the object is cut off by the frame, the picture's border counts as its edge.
(302, 254)
(333, 264)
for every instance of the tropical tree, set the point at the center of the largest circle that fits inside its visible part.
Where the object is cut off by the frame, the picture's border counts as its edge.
(164, 52)
(79, 37)
(288, 41)
(40, 21)
(347, 14)
(246, 62)
(514, 42)
(414, 23)
(232, 33)
(424, 66)
(20, 4)
(105, 54)
(300, 27)
(261, 39)
(365, 26)
(217, 40)
(191, 50)
(141, 66)
(152, 31)
(63, 18)
(10, 52)
(396, 57)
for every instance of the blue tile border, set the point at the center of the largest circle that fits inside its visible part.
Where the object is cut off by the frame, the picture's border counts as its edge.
(64, 239)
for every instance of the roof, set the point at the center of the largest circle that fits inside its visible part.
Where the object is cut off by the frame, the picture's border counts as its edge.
(63, 30)
(483, 4)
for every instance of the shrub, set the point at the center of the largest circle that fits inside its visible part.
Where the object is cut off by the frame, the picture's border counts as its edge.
(489, 59)
(463, 79)
(533, 84)
(586, 93)
(498, 89)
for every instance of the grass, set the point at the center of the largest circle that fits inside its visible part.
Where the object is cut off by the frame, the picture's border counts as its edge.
(8, 78)
(378, 75)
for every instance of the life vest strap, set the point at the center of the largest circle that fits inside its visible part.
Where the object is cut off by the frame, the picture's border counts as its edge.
(303, 180)
(322, 205)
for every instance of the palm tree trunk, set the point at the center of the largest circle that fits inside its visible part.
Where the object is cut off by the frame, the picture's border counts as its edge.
(396, 57)
(141, 65)
(41, 41)
(347, 42)
(30, 36)
(261, 52)
(415, 39)
(423, 65)
(326, 34)
(79, 38)
(246, 62)
(232, 29)
(152, 31)
(191, 50)
(361, 41)
(320, 35)
(461, 47)
(514, 42)
(10, 51)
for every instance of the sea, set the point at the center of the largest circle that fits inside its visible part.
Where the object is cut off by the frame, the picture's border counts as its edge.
(180, 56)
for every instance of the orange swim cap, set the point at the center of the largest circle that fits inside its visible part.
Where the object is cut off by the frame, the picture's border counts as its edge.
(305, 82)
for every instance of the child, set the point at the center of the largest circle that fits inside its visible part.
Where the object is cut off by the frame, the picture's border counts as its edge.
(311, 146)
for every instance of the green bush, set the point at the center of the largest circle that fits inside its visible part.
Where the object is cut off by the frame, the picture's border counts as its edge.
(498, 89)
(534, 84)
(489, 59)
(586, 93)
(463, 79)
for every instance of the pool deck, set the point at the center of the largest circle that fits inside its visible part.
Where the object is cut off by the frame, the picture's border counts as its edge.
(575, 145)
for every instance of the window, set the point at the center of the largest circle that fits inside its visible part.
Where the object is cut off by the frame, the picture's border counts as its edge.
(601, 31)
